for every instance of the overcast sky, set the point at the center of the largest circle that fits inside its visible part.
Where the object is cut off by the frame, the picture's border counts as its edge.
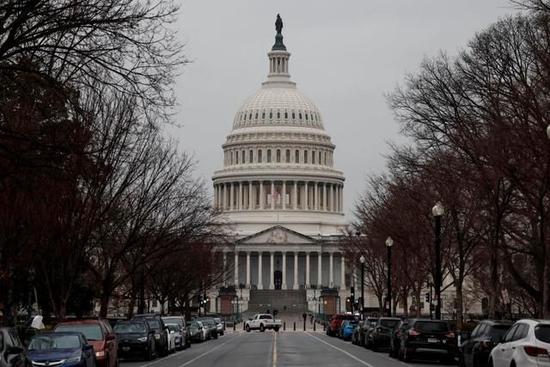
(346, 55)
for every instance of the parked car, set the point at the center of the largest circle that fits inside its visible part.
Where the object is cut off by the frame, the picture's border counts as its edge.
(174, 337)
(368, 327)
(180, 320)
(12, 353)
(356, 336)
(262, 321)
(525, 344)
(336, 321)
(475, 348)
(135, 338)
(67, 349)
(380, 333)
(161, 334)
(346, 329)
(219, 325)
(395, 337)
(99, 334)
(429, 338)
(198, 332)
(211, 325)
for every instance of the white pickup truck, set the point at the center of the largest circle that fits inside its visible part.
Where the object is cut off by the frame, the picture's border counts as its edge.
(262, 321)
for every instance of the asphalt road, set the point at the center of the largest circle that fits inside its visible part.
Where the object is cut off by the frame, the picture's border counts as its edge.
(270, 349)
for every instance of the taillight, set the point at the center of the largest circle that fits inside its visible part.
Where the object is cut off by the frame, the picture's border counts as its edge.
(535, 351)
(450, 335)
(413, 332)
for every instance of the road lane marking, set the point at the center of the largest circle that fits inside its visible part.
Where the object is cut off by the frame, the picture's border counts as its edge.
(342, 351)
(275, 349)
(162, 359)
(204, 354)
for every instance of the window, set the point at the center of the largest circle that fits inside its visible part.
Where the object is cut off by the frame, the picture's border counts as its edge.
(242, 157)
(263, 115)
(278, 156)
(297, 156)
(521, 332)
(476, 330)
(244, 117)
(293, 115)
(319, 158)
(300, 115)
(231, 161)
(305, 156)
(270, 114)
(325, 158)
(287, 156)
(269, 156)
(250, 156)
(312, 157)
(259, 156)
(542, 332)
(278, 115)
(250, 116)
(286, 115)
(237, 157)
(510, 334)
(306, 117)
(256, 115)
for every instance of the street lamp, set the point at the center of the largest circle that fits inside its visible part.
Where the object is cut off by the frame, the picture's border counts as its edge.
(389, 244)
(437, 211)
(362, 261)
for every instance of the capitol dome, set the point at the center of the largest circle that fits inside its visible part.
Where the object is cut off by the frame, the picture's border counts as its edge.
(278, 160)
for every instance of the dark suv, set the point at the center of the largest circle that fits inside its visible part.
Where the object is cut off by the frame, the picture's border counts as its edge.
(135, 338)
(161, 333)
(379, 336)
(476, 348)
(425, 337)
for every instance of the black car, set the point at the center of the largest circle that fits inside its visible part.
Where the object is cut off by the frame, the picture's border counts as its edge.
(395, 337)
(380, 334)
(211, 325)
(476, 348)
(11, 349)
(428, 338)
(135, 338)
(161, 333)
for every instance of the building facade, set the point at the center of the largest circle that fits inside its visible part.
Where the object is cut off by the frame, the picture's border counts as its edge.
(282, 197)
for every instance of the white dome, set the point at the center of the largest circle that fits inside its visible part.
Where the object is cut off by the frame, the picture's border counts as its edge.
(278, 106)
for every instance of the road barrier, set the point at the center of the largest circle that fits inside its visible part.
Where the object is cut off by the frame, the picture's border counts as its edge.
(294, 325)
(284, 326)
(304, 325)
(235, 326)
(315, 323)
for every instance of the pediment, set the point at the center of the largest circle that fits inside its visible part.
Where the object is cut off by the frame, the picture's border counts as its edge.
(277, 235)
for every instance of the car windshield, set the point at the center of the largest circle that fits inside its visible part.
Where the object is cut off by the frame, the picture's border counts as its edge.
(173, 327)
(154, 324)
(90, 331)
(431, 326)
(542, 333)
(389, 323)
(134, 327)
(173, 320)
(49, 342)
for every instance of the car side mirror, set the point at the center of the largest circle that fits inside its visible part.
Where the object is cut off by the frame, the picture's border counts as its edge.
(87, 347)
(14, 350)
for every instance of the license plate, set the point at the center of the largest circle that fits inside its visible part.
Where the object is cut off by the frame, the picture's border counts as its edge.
(125, 349)
(433, 340)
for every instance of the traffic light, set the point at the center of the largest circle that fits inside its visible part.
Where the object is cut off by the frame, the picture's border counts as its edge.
(352, 290)
(428, 298)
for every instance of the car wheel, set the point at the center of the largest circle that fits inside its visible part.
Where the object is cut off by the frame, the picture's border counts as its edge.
(262, 328)
(247, 328)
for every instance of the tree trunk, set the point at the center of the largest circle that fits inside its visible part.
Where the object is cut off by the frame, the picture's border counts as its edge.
(459, 305)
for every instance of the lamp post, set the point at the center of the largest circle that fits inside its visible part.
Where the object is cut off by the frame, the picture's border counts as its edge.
(437, 211)
(389, 244)
(362, 261)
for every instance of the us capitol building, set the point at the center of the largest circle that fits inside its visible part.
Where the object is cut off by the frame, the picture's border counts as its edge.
(282, 197)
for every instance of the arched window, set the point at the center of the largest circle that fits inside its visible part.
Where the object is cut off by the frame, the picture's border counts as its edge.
(319, 158)
(269, 156)
(243, 161)
(263, 115)
(306, 117)
(250, 116)
(250, 156)
(287, 156)
(237, 157)
(231, 161)
(305, 156)
(278, 114)
(256, 115)
(300, 115)
(325, 158)
(270, 114)
(278, 155)
(286, 115)
(293, 115)
(312, 157)
(259, 156)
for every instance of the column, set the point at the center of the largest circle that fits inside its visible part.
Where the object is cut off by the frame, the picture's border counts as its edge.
(250, 202)
(295, 196)
(284, 195)
(240, 196)
(331, 270)
(272, 195)
(284, 271)
(305, 204)
(236, 269)
(331, 198)
(308, 285)
(319, 269)
(260, 279)
(231, 195)
(316, 192)
(225, 269)
(296, 285)
(343, 273)
(271, 271)
(262, 195)
(248, 269)
(325, 201)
